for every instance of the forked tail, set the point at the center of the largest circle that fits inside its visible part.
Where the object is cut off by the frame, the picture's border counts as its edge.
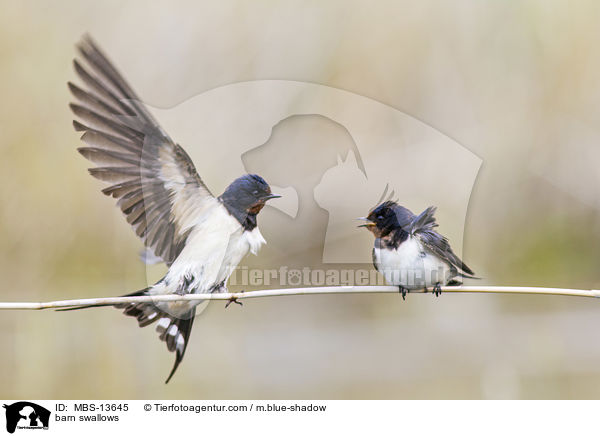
(174, 330)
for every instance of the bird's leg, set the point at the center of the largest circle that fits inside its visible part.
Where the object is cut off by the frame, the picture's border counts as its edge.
(403, 291)
(437, 289)
(233, 300)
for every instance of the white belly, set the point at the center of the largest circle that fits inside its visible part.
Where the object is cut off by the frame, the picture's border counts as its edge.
(411, 266)
(213, 250)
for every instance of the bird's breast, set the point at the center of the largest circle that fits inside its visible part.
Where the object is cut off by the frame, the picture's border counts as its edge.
(213, 249)
(406, 256)
(409, 265)
(254, 239)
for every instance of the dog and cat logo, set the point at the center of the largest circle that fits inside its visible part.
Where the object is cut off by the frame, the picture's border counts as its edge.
(26, 415)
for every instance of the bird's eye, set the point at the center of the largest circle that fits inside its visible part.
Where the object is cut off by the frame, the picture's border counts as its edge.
(254, 192)
(379, 217)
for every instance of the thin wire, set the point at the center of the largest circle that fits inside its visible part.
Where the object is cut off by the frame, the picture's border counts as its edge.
(594, 293)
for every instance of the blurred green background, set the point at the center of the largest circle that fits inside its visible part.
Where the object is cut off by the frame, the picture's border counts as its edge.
(515, 82)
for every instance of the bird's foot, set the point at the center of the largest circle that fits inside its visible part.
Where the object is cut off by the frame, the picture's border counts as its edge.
(437, 289)
(233, 300)
(403, 291)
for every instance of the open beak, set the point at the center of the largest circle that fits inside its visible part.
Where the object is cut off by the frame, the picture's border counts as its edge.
(270, 196)
(368, 223)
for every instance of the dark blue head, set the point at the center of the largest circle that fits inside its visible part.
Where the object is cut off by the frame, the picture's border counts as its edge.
(386, 217)
(245, 197)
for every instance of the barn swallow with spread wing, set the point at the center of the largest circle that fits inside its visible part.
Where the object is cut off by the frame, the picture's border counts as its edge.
(409, 252)
(200, 237)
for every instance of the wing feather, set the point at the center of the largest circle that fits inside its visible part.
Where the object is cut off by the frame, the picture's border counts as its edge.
(423, 227)
(153, 179)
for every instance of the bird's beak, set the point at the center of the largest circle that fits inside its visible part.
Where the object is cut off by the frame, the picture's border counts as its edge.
(270, 196)
(368, 223)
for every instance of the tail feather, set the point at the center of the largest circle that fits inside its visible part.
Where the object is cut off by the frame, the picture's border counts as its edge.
(177, 337)
(133, 294)
(174, 330)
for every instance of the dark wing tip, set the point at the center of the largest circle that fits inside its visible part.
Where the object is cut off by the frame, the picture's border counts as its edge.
(86, 37)
(79, 127)
(431, 210)
(468, 270)
(87, 40)
(81, 110)
(78, 67)
(84, 43)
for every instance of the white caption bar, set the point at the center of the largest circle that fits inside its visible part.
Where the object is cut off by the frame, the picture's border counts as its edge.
(165, 417)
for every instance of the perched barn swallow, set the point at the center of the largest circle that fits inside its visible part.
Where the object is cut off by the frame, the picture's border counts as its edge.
(200, 237)
(409, 252)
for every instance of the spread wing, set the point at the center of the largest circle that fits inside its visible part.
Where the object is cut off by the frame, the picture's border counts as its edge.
(154, 180)
(422, 227)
